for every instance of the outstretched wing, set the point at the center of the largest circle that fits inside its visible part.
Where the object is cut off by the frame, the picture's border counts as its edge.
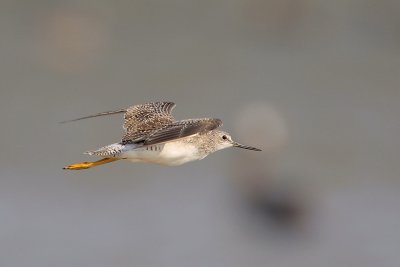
(153, 123)
(178, 130)
(141, 120)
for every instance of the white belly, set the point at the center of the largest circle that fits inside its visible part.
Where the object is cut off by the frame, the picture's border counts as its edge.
(171, 153)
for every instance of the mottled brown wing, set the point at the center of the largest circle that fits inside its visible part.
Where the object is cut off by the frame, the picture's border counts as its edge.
(140, 120)
(178, 130)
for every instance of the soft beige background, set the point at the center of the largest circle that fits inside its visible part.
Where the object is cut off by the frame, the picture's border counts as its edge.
(315, 83)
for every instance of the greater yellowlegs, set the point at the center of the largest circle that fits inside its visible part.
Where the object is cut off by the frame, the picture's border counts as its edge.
(152, 135)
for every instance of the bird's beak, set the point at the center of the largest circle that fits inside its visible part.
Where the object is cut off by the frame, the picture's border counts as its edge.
(245, 147)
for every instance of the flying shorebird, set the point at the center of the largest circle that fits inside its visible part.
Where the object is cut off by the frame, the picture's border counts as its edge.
(152, 135)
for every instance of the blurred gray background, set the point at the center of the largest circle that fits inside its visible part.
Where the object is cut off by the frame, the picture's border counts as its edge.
(315, 83)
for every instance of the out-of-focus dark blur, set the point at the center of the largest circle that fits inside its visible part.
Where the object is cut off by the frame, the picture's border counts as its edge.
(315, 84)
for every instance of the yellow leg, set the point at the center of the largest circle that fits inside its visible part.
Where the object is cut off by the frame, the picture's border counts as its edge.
(87, 165)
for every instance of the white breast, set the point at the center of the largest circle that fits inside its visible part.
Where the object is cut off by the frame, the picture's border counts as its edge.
(171, 153)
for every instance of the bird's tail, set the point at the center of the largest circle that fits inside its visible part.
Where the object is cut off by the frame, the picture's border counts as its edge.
(88, 165)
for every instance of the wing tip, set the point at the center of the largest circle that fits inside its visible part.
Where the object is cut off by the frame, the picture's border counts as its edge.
(112, 112)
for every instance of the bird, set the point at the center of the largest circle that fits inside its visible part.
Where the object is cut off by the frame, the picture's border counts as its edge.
(153, 135)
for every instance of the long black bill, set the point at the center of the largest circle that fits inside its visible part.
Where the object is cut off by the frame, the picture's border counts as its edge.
(246, 147)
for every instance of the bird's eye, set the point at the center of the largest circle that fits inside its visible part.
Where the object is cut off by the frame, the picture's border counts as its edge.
(224, 137)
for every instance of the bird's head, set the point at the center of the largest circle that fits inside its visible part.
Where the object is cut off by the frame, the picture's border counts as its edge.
(224, 140)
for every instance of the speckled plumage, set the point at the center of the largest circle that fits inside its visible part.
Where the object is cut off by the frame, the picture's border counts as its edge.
(141, 120)
(153, 135)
